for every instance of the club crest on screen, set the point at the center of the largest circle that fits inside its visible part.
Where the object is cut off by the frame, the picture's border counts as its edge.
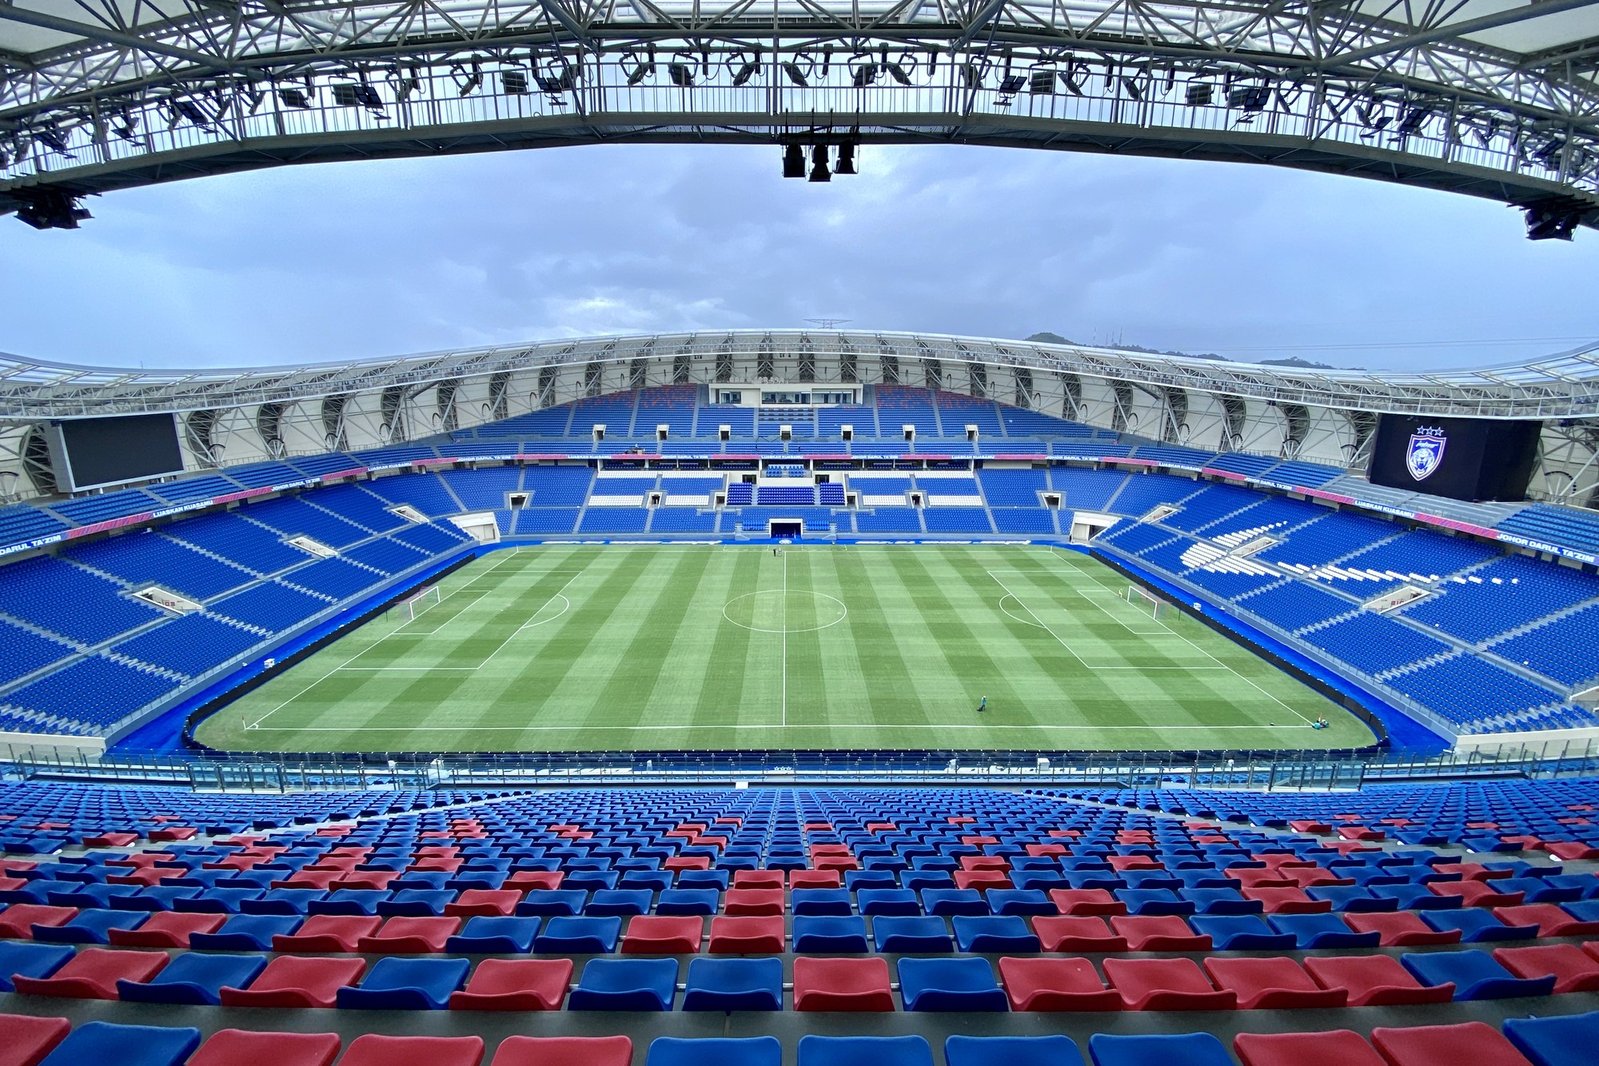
(1426, 452)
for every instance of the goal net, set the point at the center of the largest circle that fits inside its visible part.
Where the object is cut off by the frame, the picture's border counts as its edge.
(418, 602)
(1145, 600)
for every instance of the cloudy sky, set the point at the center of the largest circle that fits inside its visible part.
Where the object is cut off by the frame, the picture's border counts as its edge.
(372, 259)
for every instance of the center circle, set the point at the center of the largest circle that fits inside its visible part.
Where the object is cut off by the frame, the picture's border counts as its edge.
(777, 611)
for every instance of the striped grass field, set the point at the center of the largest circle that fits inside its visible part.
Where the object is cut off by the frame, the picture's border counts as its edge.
(576, 647)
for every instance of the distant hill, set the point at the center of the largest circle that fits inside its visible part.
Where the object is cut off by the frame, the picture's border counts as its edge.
(1293, 361)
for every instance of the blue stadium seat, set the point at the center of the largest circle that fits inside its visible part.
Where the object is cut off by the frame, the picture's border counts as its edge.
(1190, 1049)
(715, 1051)
(494, 935)
(815, 1050)
(911, 935)
(126, 1045)
(1563, 1041)
(30, 960)
(1475, 975)
(1011, 1051)
(406, 984)
(194, 978)
(953, 984)
(625, 985)
(734, 984)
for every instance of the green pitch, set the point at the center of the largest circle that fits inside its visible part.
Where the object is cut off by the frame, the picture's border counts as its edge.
(571, 647)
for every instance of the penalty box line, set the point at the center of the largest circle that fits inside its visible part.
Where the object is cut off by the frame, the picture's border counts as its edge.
(1219, 667)
(346, 663)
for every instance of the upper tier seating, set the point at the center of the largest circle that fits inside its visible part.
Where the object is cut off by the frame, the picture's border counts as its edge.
(1503, 595)
(54, 594)
(145, 557)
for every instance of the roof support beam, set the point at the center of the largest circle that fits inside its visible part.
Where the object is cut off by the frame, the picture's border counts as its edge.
(11, 13)
(1457, 29)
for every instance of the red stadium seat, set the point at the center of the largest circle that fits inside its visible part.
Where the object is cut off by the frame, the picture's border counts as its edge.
(25, 1040)
(761, 878)
(1475, 893)
(746, 935)
(1086, 901)
(1550, 920)
(1286, 900)
(235, 1047)
(1065, 932)
(524, 880)
(564, 1051)
(17, 921)
(1374, 980)
(328, 933)
(663, 934)
(813, 879)
(1340, 1047)
(753, 901)
(1574, 969)
(982, 880)
(1158, 932)
(1166, 984)
(1275, 983)
(409, 936)
(1399, 929)
(515, 985)
(372, 1049)
(1446, 1045)
(166, 929)
(491, 902)
(1035, 984)
(93, 973)
(296, 981)
(842, 984)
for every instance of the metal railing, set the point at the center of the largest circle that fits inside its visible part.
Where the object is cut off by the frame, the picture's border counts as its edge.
(1251, 770)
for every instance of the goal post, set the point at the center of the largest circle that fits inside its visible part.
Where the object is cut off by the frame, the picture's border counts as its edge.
(1146, 600)
(420, 601)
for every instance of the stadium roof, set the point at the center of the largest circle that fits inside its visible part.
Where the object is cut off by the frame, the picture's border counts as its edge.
(1496, 98)
(1562, 386)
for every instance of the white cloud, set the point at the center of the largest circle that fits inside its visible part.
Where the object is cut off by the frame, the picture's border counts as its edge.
(414, 255)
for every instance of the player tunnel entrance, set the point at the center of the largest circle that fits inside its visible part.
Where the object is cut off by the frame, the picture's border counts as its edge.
(785, 527)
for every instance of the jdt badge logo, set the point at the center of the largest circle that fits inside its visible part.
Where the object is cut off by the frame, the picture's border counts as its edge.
(1426, 452)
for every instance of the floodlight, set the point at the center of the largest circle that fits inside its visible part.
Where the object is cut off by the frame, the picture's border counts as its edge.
(747, 69)
(1041, 82)
(1011, 84)
(643, 66)
(191, 110)
(681, 69)
(52, 138)
(295, 98)
(51, 209)
(1200, 93)
(865, 75)
(793, 161)
(797, 74)
(846, 159)
(819, 171)
(1551, 222)
(514, 81)
(473, 82)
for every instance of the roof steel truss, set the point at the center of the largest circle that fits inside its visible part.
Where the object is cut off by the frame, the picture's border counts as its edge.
(1565, 386)
(132, 91)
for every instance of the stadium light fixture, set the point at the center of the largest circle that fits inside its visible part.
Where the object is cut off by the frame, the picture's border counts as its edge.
(643, 66)
(819, 171)
(793, 161)
(51, 209)
(1200, 93)
(405, 84)
(798, 73)
(471, 83)
(846, 159)
(682, 69)
(1041, 82)
(298, 99)
(514, 81)
(748, 67)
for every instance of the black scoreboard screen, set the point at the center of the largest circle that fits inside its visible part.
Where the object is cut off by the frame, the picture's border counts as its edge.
(1462, 458)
